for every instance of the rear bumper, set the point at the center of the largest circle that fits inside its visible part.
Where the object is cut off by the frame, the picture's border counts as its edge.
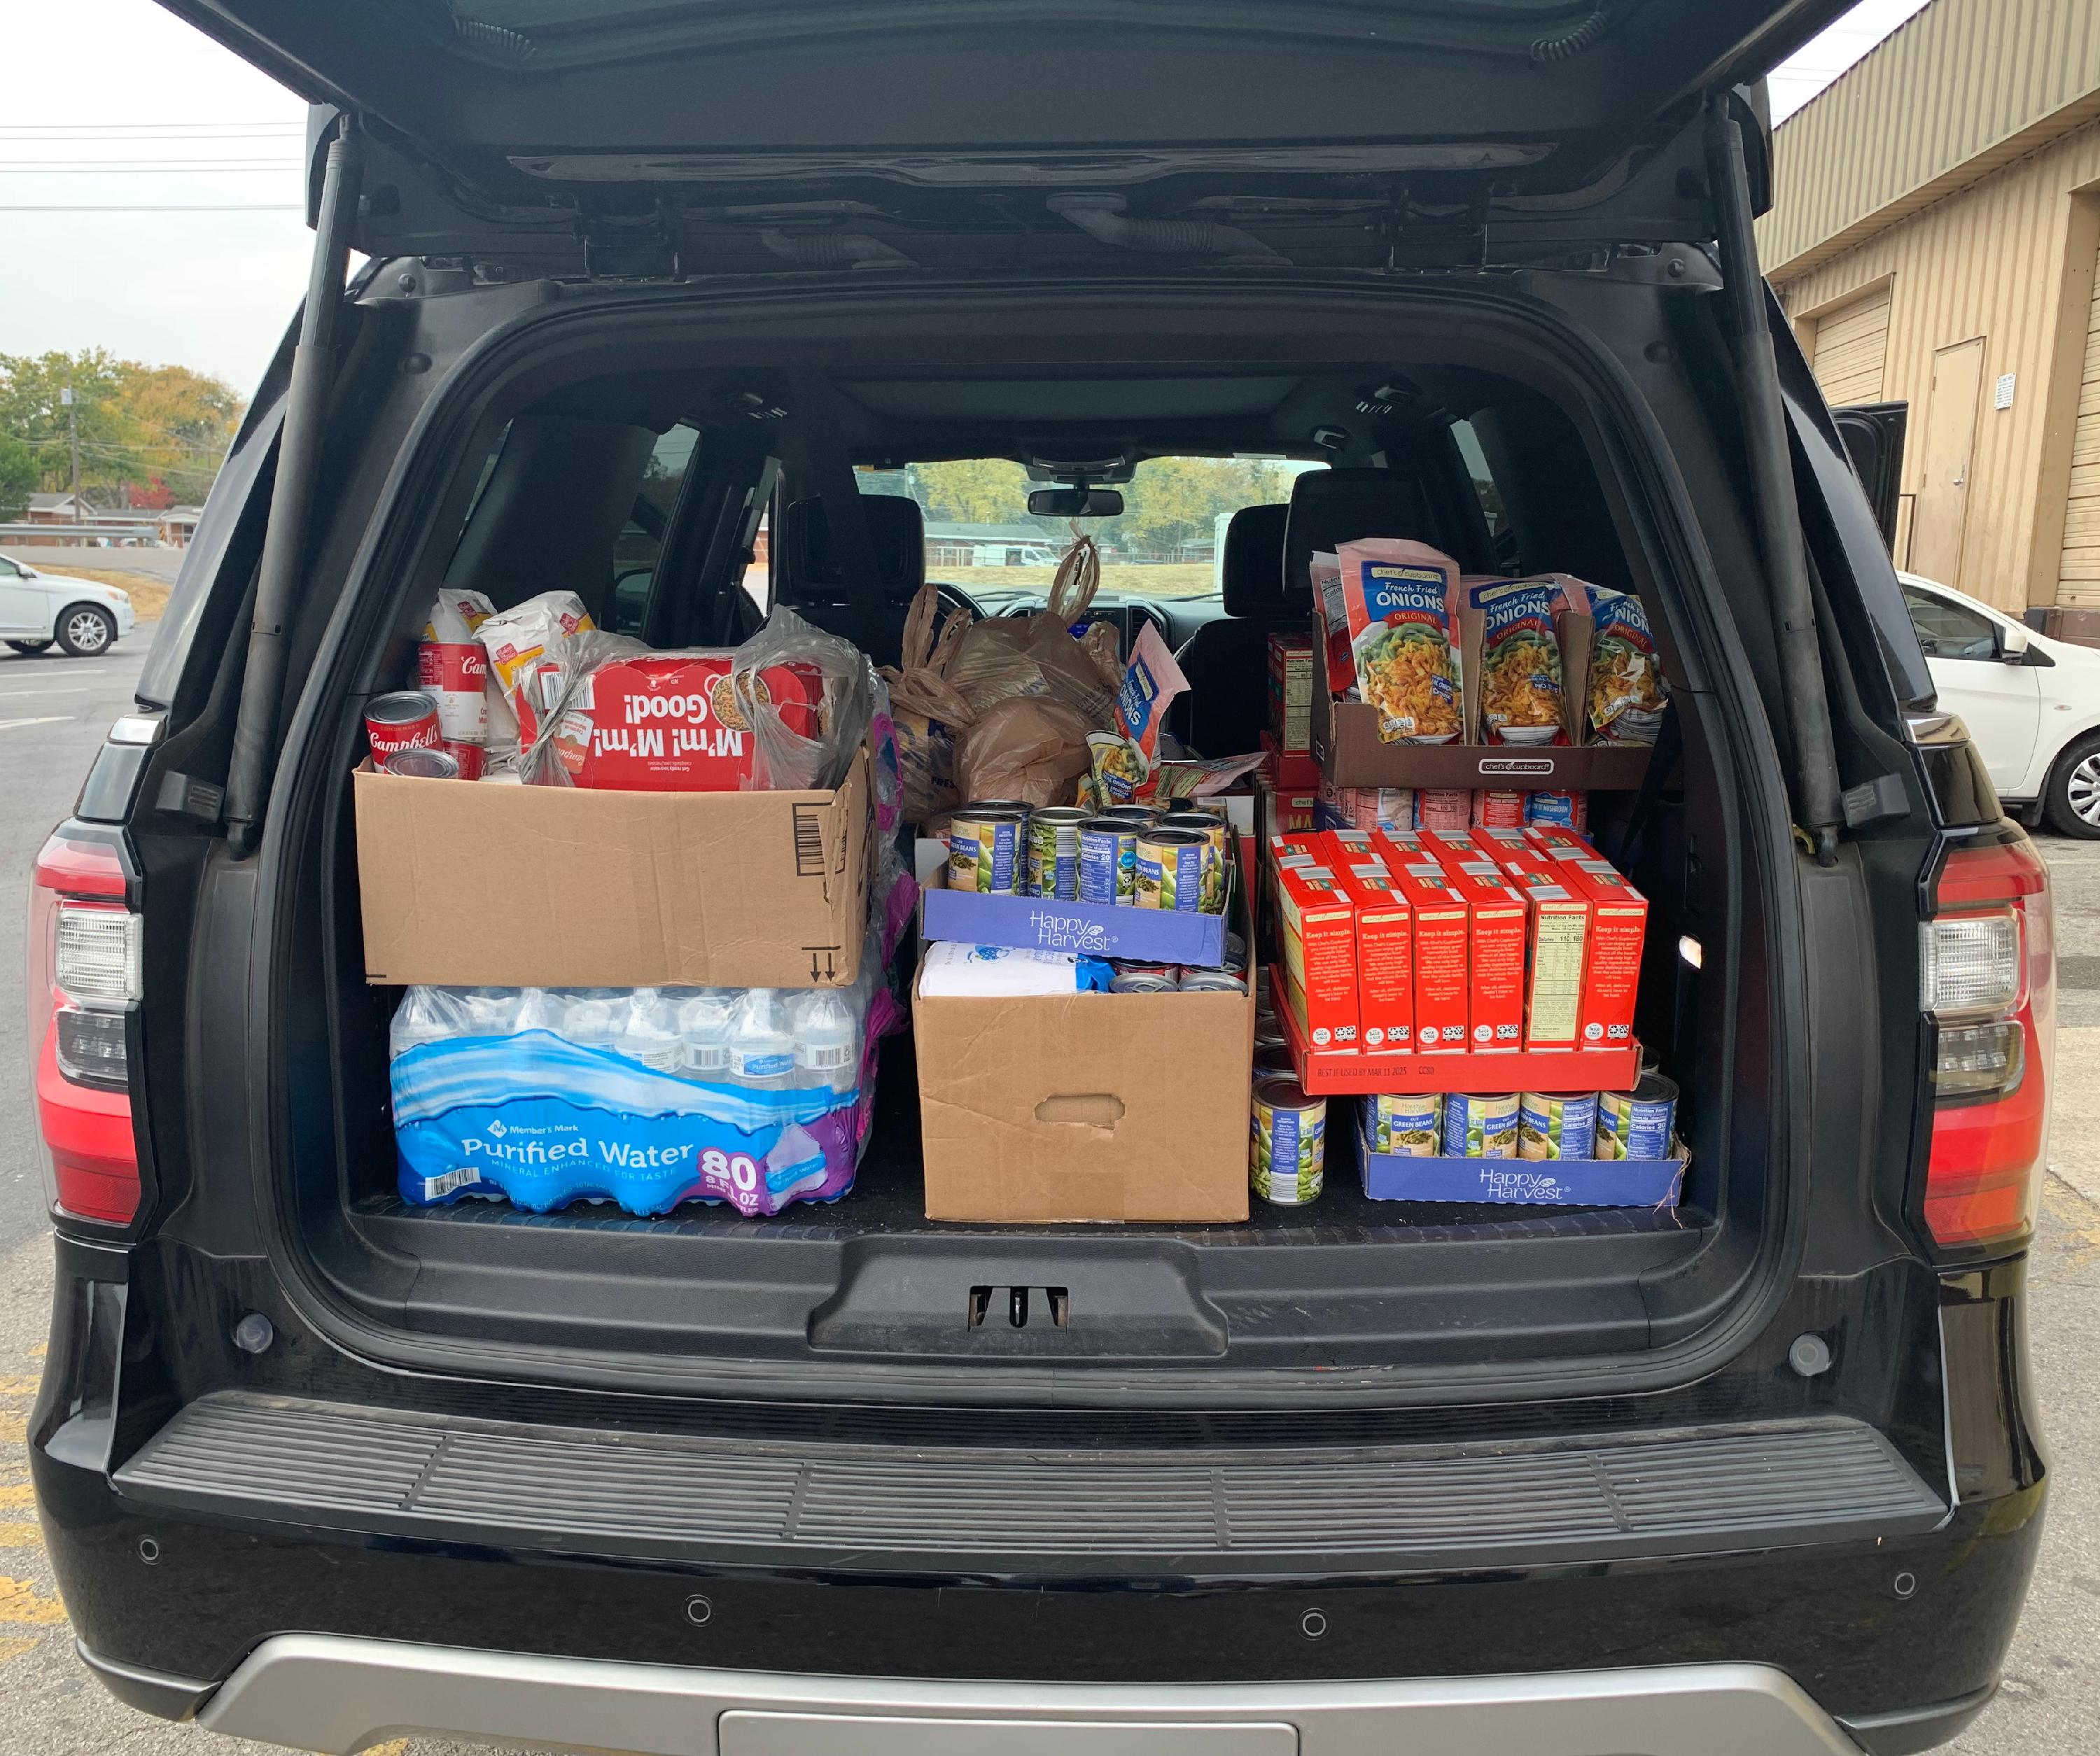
(323, 1693)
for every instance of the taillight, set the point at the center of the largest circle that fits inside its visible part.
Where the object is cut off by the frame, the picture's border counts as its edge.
(1986, 977)
(83, 986)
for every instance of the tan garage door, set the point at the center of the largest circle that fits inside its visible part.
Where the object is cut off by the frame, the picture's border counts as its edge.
(2078, 579)
(1851, 345)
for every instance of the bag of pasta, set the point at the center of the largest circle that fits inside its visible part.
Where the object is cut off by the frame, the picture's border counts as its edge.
(1523, 699)
(1626, 691)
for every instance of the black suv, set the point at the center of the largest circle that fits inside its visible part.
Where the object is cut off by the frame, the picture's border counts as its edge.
(1755, 1474)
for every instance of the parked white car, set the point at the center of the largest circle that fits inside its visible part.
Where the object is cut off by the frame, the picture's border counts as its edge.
(2031, 704)
(84, 617)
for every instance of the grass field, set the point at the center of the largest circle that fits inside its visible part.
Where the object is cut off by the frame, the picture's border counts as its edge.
(1173, 579)
(149, 596)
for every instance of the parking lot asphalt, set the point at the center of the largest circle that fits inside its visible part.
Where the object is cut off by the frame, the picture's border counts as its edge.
(53, 714)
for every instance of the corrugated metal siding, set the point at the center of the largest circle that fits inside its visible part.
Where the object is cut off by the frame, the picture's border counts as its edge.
(1851, 344)
(1960, 90)
(2078, 573)
(1989, 262)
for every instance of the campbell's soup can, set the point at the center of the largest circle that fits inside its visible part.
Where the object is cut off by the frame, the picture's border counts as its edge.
(1560, 810)
(419, 764)
(1480, 1125)
(1287, 1144)
(472, 759)
(454, 675)
(1169, 869)
(1444, 808)
(1404, 1123)
(1108, 862)
(988, 851)
(1640, 1123)
(1054, 852)
(1494, 808)
(1557, 1125)
(405, 719)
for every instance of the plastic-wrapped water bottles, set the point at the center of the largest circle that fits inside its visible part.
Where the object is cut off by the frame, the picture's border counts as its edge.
(646, 1097)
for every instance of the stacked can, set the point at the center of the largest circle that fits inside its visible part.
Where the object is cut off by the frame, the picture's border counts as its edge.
(406, 720)
(1557, 1125)
(1404, 1123)
(1054, 852)
(1641, 1123)
(988, 850)
(1481, 1124)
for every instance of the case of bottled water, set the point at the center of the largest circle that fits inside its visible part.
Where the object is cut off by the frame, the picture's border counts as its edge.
(647, 1097)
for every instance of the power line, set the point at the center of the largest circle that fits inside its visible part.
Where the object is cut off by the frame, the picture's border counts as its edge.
(266, 207)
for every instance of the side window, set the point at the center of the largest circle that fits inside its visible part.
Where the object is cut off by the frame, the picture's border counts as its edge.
(1947, 630)
(640, 539)
(8, 570)
(1501, 535)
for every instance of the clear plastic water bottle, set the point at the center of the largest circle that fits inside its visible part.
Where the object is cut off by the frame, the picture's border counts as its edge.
(706, 1017)
(489, 1012)
(590, 1016)
(538, 1009)
(648, 1034)
(826, 1046)
(762, 1042)
(424, 1015)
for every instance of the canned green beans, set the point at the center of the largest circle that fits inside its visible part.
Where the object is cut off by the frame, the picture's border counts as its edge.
(1405, 1123)
(1557, 1125)
(1108, 861)
(1480, 1125)
(1054, 852)
(1170, 870)
(987, 850)
(1287, 1150)
(1640, 1123)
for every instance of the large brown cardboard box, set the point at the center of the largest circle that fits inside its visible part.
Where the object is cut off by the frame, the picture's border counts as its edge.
(1086, 1106)
(1345, 734)
(467, 883)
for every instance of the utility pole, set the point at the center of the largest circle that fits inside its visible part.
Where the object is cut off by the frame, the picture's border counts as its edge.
(72, 443)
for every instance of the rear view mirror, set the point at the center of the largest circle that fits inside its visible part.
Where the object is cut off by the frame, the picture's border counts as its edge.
(2013, 644)
(1075, 503)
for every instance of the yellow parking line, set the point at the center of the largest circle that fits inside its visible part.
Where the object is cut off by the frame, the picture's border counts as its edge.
(14, 1645)
(18, 1494)
(13, 1429)
(21, 1533)
(398, 1747)
(19, 1387)
(20, 1607)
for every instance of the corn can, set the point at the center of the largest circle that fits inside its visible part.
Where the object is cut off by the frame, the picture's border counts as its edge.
(1405, 1123)
(987, 852)
(1142, 816)
(1287, 1150)
(1480, 1125)
(1272, 1061)
(1557, 1125)
(1217, 837)
(1640, 1123)
(1054, 852)
(1108, 862)
(1170, 870)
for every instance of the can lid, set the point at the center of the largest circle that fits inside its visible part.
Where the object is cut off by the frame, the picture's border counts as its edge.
(401, 706)
(423, 764)
(1654, 1088)
(1176, 838)
(1282, 1091)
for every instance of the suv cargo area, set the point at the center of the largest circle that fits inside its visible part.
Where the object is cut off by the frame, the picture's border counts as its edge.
(1462, 432)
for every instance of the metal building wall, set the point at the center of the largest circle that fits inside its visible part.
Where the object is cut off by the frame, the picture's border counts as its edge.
(2010, 259)
(1961, 89)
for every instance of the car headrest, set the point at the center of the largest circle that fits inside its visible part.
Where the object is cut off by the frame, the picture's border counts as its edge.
(805, 571)
(1254, 561)
(1329, 507)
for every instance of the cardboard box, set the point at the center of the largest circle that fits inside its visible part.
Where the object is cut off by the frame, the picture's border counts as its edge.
(1618, 926)
(1054, 1108)
(466, 884)
(1442, 925)
(1561, 947)
(1586, 1069)
(1498, 931)
(1316, 936)
(1290, 692)
(1385, 956)
(1559, 843)
(1553, 1182)
(1296, 772)
(1345, 734)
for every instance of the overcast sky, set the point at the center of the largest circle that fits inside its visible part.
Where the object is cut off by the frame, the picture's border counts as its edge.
(209, 277)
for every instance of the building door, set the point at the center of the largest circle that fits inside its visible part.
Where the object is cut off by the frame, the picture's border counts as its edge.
(1942, 509)
(1851, 348)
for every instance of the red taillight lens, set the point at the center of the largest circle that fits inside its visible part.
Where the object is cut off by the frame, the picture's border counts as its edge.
(83, 984)
(1988, 984)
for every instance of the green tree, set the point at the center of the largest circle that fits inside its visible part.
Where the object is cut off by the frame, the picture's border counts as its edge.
(18, 477)
(973, 491)
(137, 423)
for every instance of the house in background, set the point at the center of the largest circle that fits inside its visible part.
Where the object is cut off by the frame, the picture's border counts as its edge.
(1933, 238)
